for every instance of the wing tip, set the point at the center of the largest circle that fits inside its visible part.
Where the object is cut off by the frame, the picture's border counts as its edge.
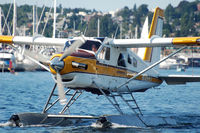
(186, 41)
(6, 39)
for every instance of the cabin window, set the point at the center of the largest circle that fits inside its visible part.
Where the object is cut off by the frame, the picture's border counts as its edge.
(104, 54)
(129, 59)
(107, 56)
(121, 61)
(134, 62)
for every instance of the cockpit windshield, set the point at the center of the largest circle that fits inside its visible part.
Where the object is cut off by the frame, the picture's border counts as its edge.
(91, 45)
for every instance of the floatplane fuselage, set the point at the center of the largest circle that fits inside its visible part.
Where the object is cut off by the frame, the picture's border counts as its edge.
(108, 68)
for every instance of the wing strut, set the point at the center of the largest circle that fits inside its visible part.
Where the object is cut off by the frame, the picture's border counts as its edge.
(72, 95)
(151, 66)
(38, 63)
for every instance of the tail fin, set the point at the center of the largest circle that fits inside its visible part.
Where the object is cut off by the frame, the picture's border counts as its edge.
(144, 35)
(152, 55)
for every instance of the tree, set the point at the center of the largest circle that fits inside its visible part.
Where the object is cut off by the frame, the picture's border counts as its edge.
(143, 10)
(92, 26)
(107, 26)
(134, 8)
(170, 13)
(186, 24)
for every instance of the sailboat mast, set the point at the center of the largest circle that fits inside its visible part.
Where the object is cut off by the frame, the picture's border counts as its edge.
(54, 22)
(34, 20)
(98, 28)
(0, 22)
(14, 18)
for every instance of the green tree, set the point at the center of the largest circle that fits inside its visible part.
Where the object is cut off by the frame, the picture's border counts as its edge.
(186, 24)
(92, 26)
(143, 10)
(107, 26)
(170, 13)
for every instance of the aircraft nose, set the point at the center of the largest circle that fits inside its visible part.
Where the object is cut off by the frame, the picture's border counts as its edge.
(57, 64)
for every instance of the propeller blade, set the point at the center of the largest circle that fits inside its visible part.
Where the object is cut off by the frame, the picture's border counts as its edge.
(73, 47)
(37, 56)
(37, 62)
(61, 92)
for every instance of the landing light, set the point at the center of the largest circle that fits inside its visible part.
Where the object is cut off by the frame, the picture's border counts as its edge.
(79, 65)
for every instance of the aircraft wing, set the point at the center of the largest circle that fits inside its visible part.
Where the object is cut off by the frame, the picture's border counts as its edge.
(38, 40)
(155, 41)
(180, 79)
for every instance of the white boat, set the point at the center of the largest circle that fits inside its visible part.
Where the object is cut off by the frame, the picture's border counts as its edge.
(25, 64)
(174, 63)
(7, 61)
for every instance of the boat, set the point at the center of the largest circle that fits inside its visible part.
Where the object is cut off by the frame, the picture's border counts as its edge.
(194, 62)
(7, 60)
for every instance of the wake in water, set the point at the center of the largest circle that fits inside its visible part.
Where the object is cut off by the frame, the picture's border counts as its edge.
(113, 126)
(116, 122)
(8, 124)
(149, 122)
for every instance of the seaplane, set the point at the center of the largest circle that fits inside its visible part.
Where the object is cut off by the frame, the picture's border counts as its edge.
(103, 66)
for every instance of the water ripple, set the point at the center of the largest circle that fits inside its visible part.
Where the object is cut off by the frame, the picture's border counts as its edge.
(28, 92)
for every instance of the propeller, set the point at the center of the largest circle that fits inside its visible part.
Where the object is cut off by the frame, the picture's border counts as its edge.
(41, 61)
(37, 56)
(75, 45)
(61, 91)
(57, 64)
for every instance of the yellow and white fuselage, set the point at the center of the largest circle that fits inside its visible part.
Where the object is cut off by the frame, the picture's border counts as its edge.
(89, 71)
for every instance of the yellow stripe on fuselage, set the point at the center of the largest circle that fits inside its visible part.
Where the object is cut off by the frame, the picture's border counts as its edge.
(101, 69)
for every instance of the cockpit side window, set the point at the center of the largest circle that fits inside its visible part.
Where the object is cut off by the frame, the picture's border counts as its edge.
(129, 59)
(91, 45)
(104, 53)
(121, 61)
(88, 45)
(107, 56)
(134, 62)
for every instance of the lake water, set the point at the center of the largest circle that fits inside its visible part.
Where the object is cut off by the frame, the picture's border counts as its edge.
(28, 92)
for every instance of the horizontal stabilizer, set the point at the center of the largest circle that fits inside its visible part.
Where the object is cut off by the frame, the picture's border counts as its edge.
(180, 79)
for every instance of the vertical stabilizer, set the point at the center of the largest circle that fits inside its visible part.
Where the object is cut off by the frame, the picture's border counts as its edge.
(145, 29)
(144, 35)
(152, 55)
